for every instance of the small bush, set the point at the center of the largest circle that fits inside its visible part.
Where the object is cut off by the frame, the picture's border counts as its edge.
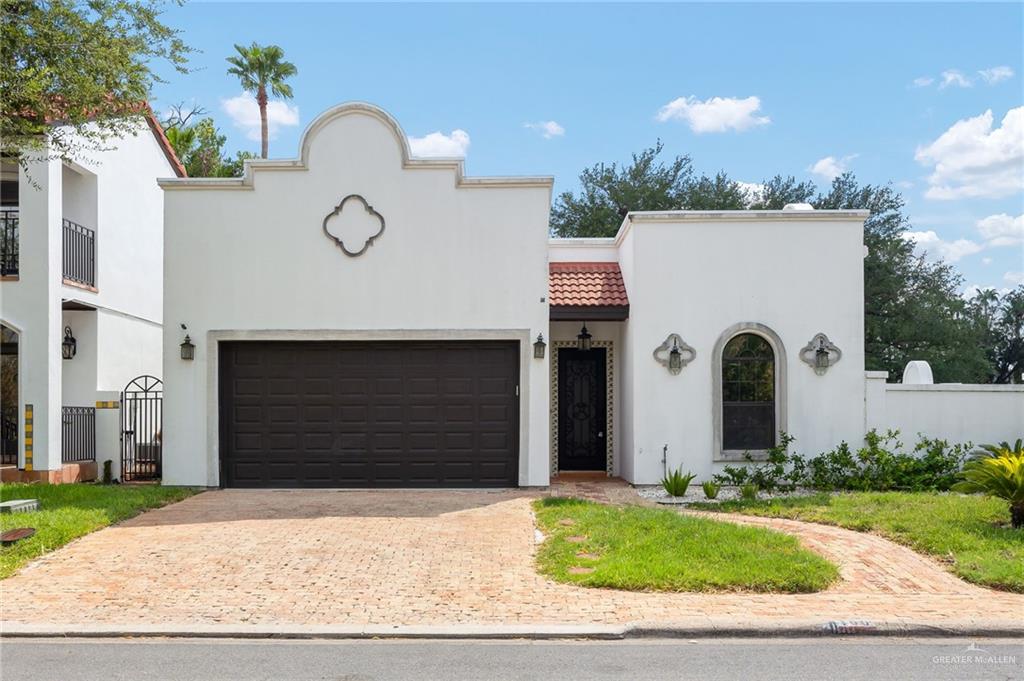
(676, 484)
(710, 488)
(748, 492)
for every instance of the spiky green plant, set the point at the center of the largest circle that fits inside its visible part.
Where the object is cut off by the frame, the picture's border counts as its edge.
(748, 492)
(676, 484)
(997, 471)
(710, 488)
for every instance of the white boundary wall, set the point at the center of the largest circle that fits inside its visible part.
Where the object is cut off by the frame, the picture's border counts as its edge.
(956, 412)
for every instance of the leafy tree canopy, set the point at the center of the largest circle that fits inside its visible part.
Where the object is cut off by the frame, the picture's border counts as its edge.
(200, 146)
(82, 64)
(912, 307)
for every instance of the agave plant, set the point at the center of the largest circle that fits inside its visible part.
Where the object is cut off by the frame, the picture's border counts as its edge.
(998, 471)
(676, 484)
(710, 488)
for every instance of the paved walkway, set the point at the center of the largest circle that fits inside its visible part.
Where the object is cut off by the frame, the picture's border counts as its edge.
(427, 558)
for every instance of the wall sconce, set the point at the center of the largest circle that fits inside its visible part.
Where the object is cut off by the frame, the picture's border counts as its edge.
(674, 354)
(583, 339)
(539, 346)
(69, 346)
(675, 359)
(820, 353)
(188, 350)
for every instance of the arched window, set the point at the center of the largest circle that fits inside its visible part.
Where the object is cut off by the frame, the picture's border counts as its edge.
(748, 393)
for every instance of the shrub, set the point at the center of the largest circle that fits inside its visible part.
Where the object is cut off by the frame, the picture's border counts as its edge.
(676, 484)
(997, 471)
(768, 474)
(710, 488)
(748, 492)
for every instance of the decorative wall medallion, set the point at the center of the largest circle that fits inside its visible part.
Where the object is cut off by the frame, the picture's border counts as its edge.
(820, 354)
(674, 354)
(337, 239)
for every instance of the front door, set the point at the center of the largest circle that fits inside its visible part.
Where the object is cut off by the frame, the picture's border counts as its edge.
(582, 410)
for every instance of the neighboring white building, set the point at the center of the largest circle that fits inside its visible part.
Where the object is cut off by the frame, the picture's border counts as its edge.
(82, 256)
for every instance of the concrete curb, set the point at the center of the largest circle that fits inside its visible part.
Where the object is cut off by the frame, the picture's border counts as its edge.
(859, 628)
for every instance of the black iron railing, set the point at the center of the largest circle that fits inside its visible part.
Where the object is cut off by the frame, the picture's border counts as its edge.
(9, 242)
(78, 434)
(9, 435)
(79, 254)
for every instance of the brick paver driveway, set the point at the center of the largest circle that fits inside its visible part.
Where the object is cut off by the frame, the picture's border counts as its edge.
(421, 558)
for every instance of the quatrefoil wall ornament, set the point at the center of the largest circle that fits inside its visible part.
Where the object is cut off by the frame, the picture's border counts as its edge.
(820, 353)
(674, 354)
(338, 240)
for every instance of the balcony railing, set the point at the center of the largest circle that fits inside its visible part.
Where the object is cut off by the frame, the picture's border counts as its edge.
(79, 254)
(78, 434)
(9, 242)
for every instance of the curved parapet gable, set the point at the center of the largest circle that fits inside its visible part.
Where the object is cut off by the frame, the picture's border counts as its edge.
(319, 124)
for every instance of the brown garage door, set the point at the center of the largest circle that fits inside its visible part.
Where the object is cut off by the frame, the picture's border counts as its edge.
(369, 414)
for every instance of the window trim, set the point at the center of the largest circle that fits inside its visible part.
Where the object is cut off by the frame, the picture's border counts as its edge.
(717, 407)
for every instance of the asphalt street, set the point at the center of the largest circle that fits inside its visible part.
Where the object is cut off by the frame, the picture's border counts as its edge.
(871, 659)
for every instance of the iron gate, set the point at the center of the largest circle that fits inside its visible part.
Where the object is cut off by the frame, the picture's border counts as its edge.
(142, 403)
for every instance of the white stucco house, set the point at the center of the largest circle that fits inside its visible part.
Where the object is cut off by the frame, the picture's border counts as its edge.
(358, 317)
(81, 301)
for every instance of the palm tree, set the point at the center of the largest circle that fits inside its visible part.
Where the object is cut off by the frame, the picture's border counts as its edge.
(260, 68)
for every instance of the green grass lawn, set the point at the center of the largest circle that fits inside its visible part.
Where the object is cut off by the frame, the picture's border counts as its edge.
(67, 512)
(648, 549)
(970, 534)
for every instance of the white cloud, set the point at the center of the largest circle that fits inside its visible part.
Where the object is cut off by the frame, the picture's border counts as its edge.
(831, 167)
(547, 129)
(996, 74)
(931, 244)
(717, 114)
(754, 191)
(437, 144)
(1002, 229)
(954, 78)
(1014, 278)
(923, 81)
(245, 114)
(986, 261)
(972, 159)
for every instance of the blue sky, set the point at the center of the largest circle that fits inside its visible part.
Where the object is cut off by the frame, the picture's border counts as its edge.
(896, 93)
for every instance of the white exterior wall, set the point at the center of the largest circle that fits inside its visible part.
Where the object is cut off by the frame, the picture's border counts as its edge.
(460, 258)
(959, 413)
(698, 274)
(114, 192)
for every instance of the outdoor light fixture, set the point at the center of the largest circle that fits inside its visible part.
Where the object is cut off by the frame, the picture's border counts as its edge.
(188, 350)
(674, 354)
(675, 358)
(583, 339)
(820, 354)
(539, 346)
(69, 347)
(821, 358)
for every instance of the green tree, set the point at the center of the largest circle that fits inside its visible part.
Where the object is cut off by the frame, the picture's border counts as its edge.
(258, 69)
(85, 65)
(200, 146)
(1000, 324)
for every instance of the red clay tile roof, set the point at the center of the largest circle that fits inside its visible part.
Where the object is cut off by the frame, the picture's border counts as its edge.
(580, 284)
(165, 144)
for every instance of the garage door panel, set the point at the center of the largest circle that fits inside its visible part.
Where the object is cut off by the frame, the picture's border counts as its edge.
(323, 414)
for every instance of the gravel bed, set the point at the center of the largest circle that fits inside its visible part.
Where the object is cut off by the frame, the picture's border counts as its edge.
(658, 494)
